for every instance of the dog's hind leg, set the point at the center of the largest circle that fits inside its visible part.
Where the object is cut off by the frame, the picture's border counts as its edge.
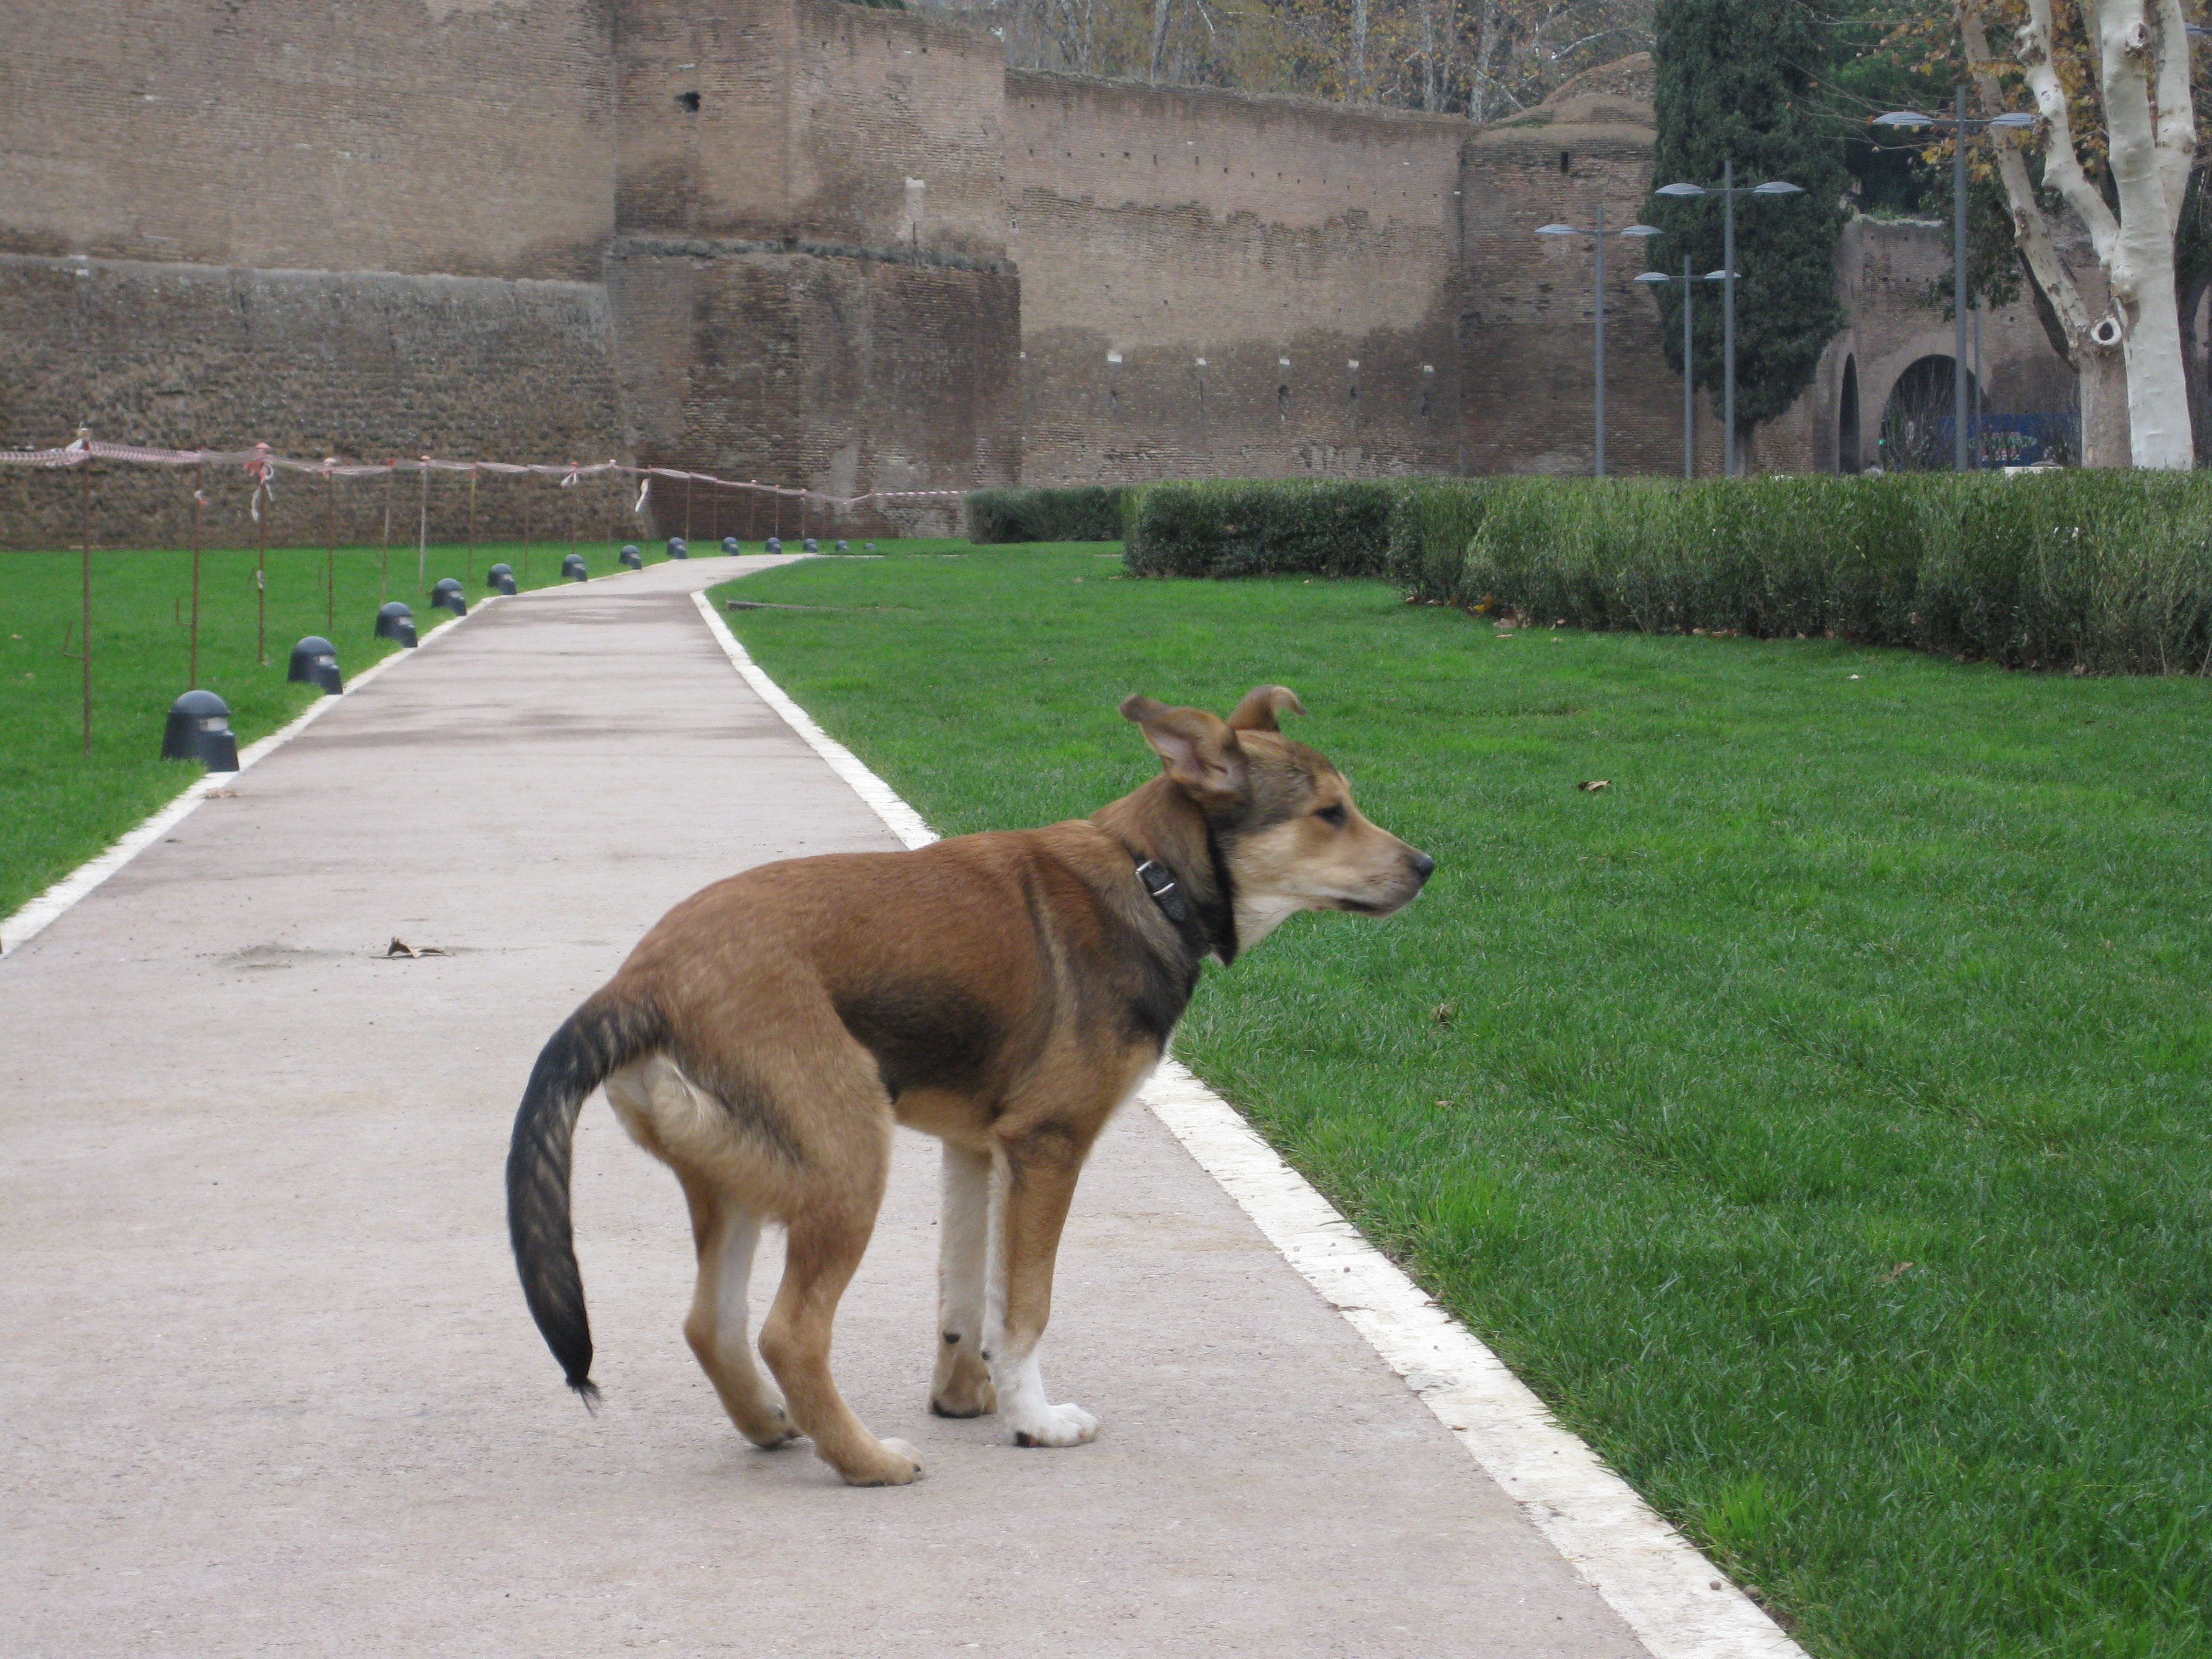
(828, 1232)
(962, 1386)
(726, 1233)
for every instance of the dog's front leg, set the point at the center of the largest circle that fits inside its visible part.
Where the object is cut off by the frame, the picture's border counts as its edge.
(962, 1386)
(1042, 1171)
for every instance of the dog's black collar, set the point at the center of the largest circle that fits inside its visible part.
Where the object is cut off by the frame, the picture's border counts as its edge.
(1208, 929)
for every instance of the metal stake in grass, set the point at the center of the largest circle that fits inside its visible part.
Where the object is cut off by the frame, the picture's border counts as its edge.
(525, 527)
(331, 563)
(423, 531)
(384, 576)
(469, 564)
(85, 523)
(199, 500)
(262, 507)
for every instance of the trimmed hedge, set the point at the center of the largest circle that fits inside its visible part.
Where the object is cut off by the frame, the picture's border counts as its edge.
(2099, 571)
(1261, 526)
(1085, 513)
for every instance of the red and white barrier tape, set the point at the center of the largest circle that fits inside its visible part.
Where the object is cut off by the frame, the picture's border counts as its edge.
(262, 464)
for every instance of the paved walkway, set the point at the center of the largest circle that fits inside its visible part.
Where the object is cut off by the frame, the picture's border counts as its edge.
(269, 1385)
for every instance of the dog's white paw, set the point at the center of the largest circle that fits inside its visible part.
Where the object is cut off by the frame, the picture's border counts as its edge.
(1056, 1425)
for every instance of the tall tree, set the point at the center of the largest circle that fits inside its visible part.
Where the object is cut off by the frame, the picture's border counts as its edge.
(1737, 83)
(2111, 83)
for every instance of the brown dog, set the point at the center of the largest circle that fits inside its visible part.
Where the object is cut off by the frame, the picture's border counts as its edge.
(1004, 992)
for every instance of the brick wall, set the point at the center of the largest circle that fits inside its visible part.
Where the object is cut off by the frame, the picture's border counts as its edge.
(834, 371)
(364, 366)
(1526, 334)
(449, 136)
(810, 285)
(1214, 283)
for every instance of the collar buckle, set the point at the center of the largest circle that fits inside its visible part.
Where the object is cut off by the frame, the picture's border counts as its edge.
(1165, 894)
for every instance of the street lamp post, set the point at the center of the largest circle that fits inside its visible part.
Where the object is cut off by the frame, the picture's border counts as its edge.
(1728, 191)
(1963, 127)
(1598, 235)
(1654, 278)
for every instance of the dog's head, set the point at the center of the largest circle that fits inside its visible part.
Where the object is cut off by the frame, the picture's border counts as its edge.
(1281, 815)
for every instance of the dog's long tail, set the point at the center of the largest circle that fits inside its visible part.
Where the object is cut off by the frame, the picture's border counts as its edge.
(609, 1030)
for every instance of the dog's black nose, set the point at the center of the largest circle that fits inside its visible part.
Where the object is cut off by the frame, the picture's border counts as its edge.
(1423, 864)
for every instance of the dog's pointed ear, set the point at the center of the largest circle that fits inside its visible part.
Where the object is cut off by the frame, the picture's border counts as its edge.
(1196, 746)
(1261, 705)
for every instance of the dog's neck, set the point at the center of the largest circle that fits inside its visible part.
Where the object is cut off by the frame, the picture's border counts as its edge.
(1160, 823)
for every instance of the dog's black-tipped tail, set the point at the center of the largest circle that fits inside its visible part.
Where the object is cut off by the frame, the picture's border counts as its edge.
(608, 1032)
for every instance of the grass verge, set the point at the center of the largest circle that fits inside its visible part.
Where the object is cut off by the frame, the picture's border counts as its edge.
(1816, 1117)
(59, 807)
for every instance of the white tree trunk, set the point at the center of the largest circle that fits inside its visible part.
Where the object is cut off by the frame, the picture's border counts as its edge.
(2141, 264)
(2101, 378)
(2151, 142)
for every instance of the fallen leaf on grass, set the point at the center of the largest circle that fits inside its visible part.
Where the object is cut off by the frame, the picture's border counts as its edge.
(1591, 786)
(1442, 1011)
(1898, 1270)
(1443, 1102)
(400, 947)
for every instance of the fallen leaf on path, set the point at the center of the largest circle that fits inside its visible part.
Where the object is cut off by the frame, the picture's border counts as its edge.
(400, 947)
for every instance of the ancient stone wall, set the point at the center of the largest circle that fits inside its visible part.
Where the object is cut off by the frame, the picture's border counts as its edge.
(1885, 272)
(811, 119)
(1528, 331)
(810, 283)
(362, 366)
(818, 243)
(1213, 282)
(839, 372)
(473, 137)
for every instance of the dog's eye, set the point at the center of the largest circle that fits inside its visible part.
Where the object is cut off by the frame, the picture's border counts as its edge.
(1332, 815)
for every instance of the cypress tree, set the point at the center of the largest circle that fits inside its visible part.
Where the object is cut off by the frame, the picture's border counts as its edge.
(1735, 83)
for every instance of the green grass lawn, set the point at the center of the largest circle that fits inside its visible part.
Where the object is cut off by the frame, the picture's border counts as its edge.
(1816, 1117)
(57, 807)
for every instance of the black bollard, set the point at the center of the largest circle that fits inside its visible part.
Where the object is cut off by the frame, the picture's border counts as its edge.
(731, 544)
(632, 558)
(572, 568)
(774, 544)
(446, 594)
(809, 545)
(844, 546)
(396, 622)
(676, 549)
(492, 576)
(506, 583)
(199, 729)
(315, 662)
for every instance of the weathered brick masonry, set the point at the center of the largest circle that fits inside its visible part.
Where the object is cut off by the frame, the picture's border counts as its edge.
(812, 243)
(313, 363)
(1220, 284)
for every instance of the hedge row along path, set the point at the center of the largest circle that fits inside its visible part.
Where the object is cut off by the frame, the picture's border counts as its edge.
(271, 1378)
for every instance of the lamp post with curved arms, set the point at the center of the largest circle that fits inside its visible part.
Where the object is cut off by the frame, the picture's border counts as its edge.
(1598, 235)
(1728, 189)
(1653, 279)
(1963, 126)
